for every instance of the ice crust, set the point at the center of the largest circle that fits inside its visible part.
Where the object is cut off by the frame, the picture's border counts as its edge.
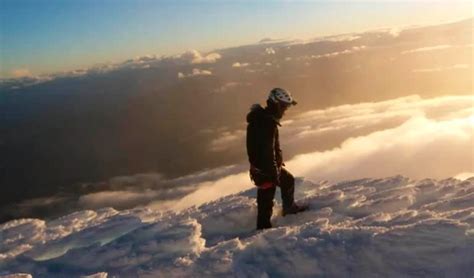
(392, 227)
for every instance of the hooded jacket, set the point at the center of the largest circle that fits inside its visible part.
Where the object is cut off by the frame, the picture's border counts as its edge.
(263, 145)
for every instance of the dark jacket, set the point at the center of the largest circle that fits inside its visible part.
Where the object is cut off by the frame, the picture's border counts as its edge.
(263, 145)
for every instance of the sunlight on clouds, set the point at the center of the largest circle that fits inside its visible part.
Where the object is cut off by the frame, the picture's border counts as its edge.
(209, 191)
(239, 65)
(337, 53)
(464, 176)
(117, 199)
(20, 73)
(437, 69)
(195, 72)
(226, 139)
(334, 38)
(429, 48)
(24, 78)
(270, 51)
(195, 57)
(419, 148)
(435, 47)
(230, 86)
(435, 139)
(395, 32)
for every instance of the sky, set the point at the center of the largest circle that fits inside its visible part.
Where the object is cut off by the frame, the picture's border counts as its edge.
(47, 36)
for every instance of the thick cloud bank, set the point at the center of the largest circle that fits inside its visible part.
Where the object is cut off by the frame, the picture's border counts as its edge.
(391, 227)
(433, 138)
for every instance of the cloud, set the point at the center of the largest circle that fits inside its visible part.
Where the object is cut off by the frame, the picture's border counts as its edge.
(337, 53)
(348, 118)
(23, 77)
(142, 59)
(195, 57)
(428, 48)
(419, 148)
(201, 72)
(435, 47)
(342, 38)
(239, 65)
(271, 41)
(464, 176)
(195, 72)
(438, 145)
(227, 140)
(231, 85)
(21, 73)
(394, 32)
(336, 38)
(132, 197)
(154, 190)
(20, 82)
(252, 70)
(189, 57)
(118, 199)
(124, 192)
(209, 191)
(270, 51)
(438, 69)
(43, 201)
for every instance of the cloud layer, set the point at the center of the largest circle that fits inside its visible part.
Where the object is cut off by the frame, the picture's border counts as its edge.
(195, 57)
(24, 78)
(434, 48)
(194, 72)
(410, 136)
(433, 140)
(446, 68)
(21, 73)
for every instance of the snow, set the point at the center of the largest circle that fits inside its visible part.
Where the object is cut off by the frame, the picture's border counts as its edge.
(390, 227)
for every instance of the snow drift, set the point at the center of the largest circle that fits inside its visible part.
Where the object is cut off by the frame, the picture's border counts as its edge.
(388, 227)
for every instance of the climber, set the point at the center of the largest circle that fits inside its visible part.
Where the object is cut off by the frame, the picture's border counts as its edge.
(265, 157)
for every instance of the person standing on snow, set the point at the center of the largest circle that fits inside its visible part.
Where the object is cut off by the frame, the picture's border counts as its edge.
(265, 157)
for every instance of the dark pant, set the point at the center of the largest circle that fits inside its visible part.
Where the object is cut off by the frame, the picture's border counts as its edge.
(265, 199)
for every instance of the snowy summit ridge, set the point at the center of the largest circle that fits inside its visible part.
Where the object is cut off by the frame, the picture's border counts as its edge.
(392, 227)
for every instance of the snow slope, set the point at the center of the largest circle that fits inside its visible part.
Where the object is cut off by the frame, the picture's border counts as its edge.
(392, 227)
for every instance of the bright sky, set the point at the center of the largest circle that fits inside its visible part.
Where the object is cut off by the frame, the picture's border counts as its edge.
(44, 36)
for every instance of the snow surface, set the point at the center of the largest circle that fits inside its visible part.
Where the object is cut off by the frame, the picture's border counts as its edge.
(392, 227)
